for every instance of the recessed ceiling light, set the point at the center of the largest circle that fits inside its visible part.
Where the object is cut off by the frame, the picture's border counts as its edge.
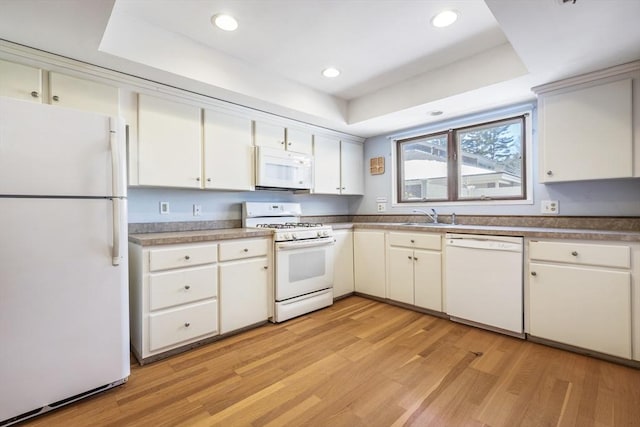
(331, 72)
(444, 18)
(225, 22)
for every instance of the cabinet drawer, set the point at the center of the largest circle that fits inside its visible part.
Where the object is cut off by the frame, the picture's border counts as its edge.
(182, 286)
(183, 256)
(239, 249)
(182, 324)
(416, 240)
(582, 254)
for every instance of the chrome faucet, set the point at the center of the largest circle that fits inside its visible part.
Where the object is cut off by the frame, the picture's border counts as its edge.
(433, 216)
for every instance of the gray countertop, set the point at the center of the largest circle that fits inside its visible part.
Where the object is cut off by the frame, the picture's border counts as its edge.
(177, 237)
(556, 233)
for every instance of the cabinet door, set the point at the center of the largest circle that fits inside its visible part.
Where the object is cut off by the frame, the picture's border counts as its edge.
(343, 263)
(587, 133)
(244, 298)
(169, 143)
(326, 153)
(299, 140)
(352, 168)
(228, 151)
(369, 262)
(20, 81)
(584, 307)
(269, 135)
(401, 275)
(72, 92)
(428, 279)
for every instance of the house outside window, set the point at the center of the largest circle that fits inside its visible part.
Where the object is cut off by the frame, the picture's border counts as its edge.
(482, 162)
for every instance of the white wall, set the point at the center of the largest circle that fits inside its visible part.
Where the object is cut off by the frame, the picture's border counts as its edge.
(593, 198)
(218, 205)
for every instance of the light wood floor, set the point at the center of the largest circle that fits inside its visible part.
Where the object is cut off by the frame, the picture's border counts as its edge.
(365, 363)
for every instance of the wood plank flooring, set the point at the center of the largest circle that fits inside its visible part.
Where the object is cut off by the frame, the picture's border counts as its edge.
(366, 363)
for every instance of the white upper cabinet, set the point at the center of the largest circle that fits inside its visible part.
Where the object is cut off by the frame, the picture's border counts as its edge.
(326, 153)
(338, 166)
(20, 81)
(275, 135)
(352, 167)
(586, 126)
(299, 140)
(228, 151)
(81, 94)
(169, 143)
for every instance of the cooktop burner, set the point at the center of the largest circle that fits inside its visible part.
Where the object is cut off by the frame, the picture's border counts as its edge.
(290, 225)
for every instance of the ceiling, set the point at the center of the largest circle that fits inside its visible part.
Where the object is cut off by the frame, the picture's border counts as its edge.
(396, 67)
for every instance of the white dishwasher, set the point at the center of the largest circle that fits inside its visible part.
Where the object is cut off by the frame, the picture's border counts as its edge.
(483, 281)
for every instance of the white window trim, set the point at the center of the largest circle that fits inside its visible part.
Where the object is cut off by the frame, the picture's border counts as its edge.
(526, 111)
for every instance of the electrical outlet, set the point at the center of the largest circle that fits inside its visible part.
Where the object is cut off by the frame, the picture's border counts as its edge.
(164, 208)
(197, 210)
(382, 207)
(550, 207)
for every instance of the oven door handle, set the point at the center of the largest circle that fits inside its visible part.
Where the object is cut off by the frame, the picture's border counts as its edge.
(288, 246)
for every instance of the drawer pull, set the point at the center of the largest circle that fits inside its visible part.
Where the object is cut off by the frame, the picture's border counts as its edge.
(533, 273)
(549, 173)
(187, 287)
(266, 267)
(187, 324)
(415, 258)
(574, 253)
(413, 241)
(410, 257)
(35, 94)
(187, 257)
(246, 250)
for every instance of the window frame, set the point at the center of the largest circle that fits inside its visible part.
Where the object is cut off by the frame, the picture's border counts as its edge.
(454, 159)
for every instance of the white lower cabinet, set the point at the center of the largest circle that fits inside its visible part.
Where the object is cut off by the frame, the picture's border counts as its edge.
(415, 269)
(343, 283)
(369, 262)
(581, 294)
(182, 294)
(244, 293)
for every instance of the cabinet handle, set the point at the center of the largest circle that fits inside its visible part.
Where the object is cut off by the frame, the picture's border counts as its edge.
(266, 267)
(187, 257)
(409, 257)
(289, 144)
(574, 253)
(187, 324)
(35, 94)
(337, 188)
(198, 179)
(413, 241)
(343, 188)
(246, 250)
(282, 142)
(208, 179)
(55, 98)
(415, 259)
(533, 273)
(549, 173)
(187, 287)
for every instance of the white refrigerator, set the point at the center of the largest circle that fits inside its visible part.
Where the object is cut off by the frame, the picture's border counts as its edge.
(64, 324)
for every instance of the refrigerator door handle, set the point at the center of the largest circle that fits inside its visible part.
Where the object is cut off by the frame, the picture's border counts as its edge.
(115, 157)
(116, 232)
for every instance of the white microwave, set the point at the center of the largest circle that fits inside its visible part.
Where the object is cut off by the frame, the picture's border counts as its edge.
(277, 168)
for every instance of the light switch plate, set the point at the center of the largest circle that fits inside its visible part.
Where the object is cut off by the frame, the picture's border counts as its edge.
(164, 208)
(551, 207)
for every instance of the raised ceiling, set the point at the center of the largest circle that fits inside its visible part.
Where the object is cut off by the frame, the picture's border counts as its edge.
(396, 67)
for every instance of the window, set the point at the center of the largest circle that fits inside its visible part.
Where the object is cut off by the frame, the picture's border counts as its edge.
(479, 162)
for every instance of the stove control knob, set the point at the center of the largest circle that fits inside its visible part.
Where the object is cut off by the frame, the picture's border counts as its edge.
(286, 236)
(294, 236)
(325, 233)
(319, 233)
